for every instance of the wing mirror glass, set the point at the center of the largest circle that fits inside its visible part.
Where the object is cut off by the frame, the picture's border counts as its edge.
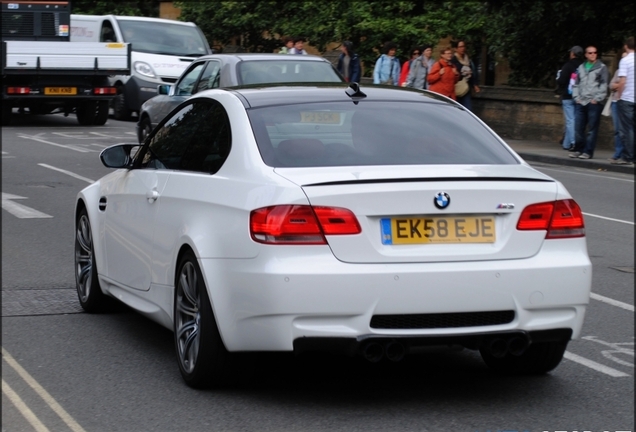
(119, 156)
(163, 89)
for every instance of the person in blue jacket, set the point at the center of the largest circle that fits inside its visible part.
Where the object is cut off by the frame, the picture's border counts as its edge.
(387, 67)
(349, 63)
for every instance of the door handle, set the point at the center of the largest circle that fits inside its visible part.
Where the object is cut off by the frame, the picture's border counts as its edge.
(152, 195)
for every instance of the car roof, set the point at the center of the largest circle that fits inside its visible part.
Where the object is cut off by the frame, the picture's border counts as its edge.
(264, 56)
(151, 19)
(255, 96)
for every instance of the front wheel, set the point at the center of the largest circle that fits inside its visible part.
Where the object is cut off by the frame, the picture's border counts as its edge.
(144, 129)
(539, 358)
(120, 109)
(89, 292)
(202, 357)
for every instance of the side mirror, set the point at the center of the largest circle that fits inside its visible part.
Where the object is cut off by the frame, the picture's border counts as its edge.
(163, 89)
(119, 155)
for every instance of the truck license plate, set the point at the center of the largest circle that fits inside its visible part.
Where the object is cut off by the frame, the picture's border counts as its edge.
(60, 91)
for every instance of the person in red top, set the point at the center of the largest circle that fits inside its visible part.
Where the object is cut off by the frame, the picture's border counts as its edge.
(444, 75)
(415, 53)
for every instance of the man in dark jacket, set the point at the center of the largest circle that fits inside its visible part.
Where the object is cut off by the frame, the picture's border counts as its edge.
(349, 63)
(565, 81)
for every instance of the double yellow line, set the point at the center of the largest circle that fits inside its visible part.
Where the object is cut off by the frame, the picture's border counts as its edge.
(24, 409)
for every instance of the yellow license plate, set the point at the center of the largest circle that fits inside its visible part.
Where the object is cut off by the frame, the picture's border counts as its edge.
(320, 117)
(60, 91)
(438, 230)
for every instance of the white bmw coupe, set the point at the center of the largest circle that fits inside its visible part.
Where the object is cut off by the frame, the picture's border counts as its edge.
(369, 221)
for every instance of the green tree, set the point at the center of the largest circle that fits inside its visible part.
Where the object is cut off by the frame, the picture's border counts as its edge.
(535, 35)
(148, 8)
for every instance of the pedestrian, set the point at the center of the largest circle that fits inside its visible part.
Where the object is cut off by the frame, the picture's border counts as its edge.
(420, 68)
(565, 84)
(288, 43)
(626, 103)
(614, 97)
(349, 63)
(589, 92)
(468, 72)
(404, 73)
(443, 74)
(298, 48)
(387, 67)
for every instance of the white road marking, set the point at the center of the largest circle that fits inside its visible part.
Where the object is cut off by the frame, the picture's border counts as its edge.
(66, 418)
(69, 147)
(19, 210)
(608, 218)
(23, 408)
(593, 365)
(617, 349)
(72, 174)
(587, 175)
(4, 155)
(613, 302)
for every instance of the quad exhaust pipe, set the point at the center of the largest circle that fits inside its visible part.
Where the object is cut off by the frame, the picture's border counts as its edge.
(392, 350)
(515, 345)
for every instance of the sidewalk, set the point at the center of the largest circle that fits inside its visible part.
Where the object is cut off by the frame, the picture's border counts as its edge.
(552, 153)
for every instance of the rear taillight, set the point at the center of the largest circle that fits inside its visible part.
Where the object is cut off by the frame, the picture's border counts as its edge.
(18, 90)
(300, 224)
(105, 90)
(561, 219)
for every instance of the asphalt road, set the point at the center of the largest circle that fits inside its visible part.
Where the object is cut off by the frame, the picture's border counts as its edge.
(64, 370)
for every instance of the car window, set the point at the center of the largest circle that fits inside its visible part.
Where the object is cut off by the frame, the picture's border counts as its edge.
(171, 140)
(210, 77)
(373, 133)
(286, 71)
(185, 86)
(210, 145)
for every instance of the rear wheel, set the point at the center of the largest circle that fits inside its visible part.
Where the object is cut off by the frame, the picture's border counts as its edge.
(101, 114)
(539, 358)
(85, 113)
(202, 357)
(120, 109)
(89, 292)
(7, 112)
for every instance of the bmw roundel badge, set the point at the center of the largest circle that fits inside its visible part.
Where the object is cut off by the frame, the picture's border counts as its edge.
(441, 200)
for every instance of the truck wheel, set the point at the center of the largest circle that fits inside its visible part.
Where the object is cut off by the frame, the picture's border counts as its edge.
(85, 113)
(121, 110)
(102, 113)
(7, 110)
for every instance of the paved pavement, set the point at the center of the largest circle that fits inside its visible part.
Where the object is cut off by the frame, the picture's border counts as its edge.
(552, 152)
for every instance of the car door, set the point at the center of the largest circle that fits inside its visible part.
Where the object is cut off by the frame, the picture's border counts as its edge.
(183, 89)
(134, 200)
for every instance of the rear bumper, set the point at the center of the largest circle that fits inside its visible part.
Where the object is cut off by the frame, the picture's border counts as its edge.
(355, 346)
(273, 303)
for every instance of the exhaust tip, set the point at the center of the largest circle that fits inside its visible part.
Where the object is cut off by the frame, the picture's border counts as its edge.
(498, 347)
(517, 345)
(373, 352)
(394, 351)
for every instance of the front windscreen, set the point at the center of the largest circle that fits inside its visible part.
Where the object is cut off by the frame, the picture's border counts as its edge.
(373, 133)
(286, 71)
(163, 38)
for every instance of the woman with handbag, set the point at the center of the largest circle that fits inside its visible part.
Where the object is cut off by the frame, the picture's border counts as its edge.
(464, 64)
(387, 67)
(443, 75)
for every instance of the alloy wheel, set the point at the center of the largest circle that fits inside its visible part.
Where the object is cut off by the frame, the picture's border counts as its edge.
(188, 317)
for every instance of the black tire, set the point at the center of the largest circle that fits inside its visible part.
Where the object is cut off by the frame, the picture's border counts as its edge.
(7, 112)
(538, 359)
(202, 357)
(90, 294)
(101, 114)
(120, 109)
(144, 129)
(85, 113)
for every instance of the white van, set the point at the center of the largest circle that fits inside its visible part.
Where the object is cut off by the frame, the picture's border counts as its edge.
(161, 50)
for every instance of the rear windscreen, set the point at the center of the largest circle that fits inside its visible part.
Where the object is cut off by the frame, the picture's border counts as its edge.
(279, 71)
(373, 133)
